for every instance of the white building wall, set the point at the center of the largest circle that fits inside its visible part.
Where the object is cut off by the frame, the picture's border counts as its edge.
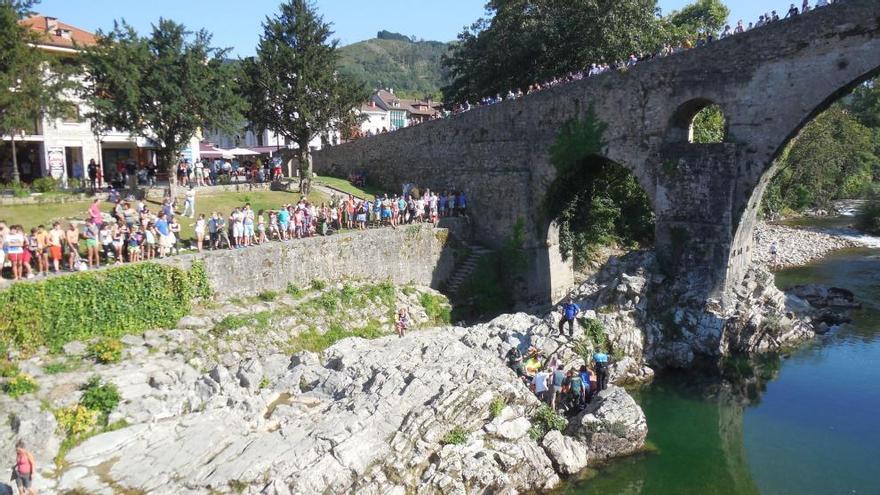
(375, 121)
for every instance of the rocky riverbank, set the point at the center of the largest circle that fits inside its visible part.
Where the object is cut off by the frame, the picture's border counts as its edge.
(795, 246)
(217, 406)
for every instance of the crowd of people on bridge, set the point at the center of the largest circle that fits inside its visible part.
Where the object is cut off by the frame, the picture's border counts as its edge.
(130, 231)
(667, 50)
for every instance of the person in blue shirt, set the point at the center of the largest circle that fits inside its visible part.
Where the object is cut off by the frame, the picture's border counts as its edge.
(588, 387)
(462, 204)
(570, 311)
(600, 364)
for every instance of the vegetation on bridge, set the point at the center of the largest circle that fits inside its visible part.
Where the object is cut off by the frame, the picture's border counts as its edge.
(596, 202)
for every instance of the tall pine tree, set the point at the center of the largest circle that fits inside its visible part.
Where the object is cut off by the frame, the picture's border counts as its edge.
(292, 84)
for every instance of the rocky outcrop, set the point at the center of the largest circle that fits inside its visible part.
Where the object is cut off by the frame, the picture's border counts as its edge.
(645, 322)
(392, 415)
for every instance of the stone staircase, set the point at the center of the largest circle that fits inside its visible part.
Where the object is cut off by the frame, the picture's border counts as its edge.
(466, 268)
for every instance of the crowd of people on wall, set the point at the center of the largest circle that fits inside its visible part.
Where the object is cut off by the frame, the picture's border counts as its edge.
(130, 231)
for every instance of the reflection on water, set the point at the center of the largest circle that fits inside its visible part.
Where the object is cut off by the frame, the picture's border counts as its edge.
(805, 424)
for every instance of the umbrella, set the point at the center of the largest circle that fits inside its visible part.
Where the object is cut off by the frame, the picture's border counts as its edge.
(242, 152)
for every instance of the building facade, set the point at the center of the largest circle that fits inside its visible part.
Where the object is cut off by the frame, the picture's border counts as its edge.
(61, 147)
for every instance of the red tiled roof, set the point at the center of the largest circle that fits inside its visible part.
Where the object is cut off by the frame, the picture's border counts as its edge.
(57, 33)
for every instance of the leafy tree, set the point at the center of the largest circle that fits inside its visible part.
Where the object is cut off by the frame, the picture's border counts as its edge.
(702, 16)
(293, 86)
(832, 158)
(865, 103)
(32, 82)
(166, 85)
(595, 202)
(708, 125)
(520, 42)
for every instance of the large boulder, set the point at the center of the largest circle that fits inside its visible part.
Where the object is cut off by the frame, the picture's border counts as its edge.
(613, 425)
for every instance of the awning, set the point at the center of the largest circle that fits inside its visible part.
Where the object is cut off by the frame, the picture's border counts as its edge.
(242, 152)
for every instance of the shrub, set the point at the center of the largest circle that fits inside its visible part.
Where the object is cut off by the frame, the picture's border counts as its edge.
(100, 396)
(456, 436)
(129, 299)
(267, 296)
(76, 419)
(436, 308)
(106, 351)
(496, 406)
(319, 284)
(19, 385)
(8, 369)
(74, 184)
(869, 217)
(44, 185)
(544, 421)
(294, 291)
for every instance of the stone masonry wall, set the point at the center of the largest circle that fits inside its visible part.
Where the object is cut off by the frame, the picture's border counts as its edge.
(769, 82)
(419, 254)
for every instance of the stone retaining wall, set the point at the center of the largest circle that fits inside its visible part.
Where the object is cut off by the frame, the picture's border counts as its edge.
(419, 254)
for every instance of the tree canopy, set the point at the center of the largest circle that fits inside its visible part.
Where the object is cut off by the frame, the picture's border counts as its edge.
(293, 86)
(833, 158)
(164, 86)
(32, 83)
(520, 42)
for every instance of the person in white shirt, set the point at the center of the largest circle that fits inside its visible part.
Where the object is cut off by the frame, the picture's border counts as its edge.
(540, 383)
(189, 203)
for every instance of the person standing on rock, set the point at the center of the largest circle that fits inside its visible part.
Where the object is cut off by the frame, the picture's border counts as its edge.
(515, 360)
(575, 389)
(588, 385)
(774, 254)
(570, 311)
(23, 471)
(558, 381)
(540, 384)
(600, 360)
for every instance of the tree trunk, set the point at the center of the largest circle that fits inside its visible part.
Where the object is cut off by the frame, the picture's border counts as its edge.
(305, 169)
(166, 157)
(16, 177)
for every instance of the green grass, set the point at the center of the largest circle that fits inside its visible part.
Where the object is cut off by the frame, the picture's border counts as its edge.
(233, 322)
(32, 215)
(348, 187)
(59, 367)
(436, 307)
(314, 341)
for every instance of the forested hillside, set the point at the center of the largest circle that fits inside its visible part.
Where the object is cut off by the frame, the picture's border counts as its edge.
(391, 60)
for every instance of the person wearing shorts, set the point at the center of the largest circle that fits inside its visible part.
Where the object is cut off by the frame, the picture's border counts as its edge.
(71, 237)
(56, 239)
(23, 471)
(15, 249)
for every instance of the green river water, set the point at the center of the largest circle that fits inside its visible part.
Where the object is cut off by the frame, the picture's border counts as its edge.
(803, 424)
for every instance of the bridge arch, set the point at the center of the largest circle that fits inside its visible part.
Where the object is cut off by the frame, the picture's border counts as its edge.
(686, 117)
(741, 249)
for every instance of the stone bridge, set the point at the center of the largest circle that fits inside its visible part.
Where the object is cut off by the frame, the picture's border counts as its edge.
(769, 82)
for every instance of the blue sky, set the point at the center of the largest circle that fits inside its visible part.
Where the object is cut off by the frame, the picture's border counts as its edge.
(236, 23)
